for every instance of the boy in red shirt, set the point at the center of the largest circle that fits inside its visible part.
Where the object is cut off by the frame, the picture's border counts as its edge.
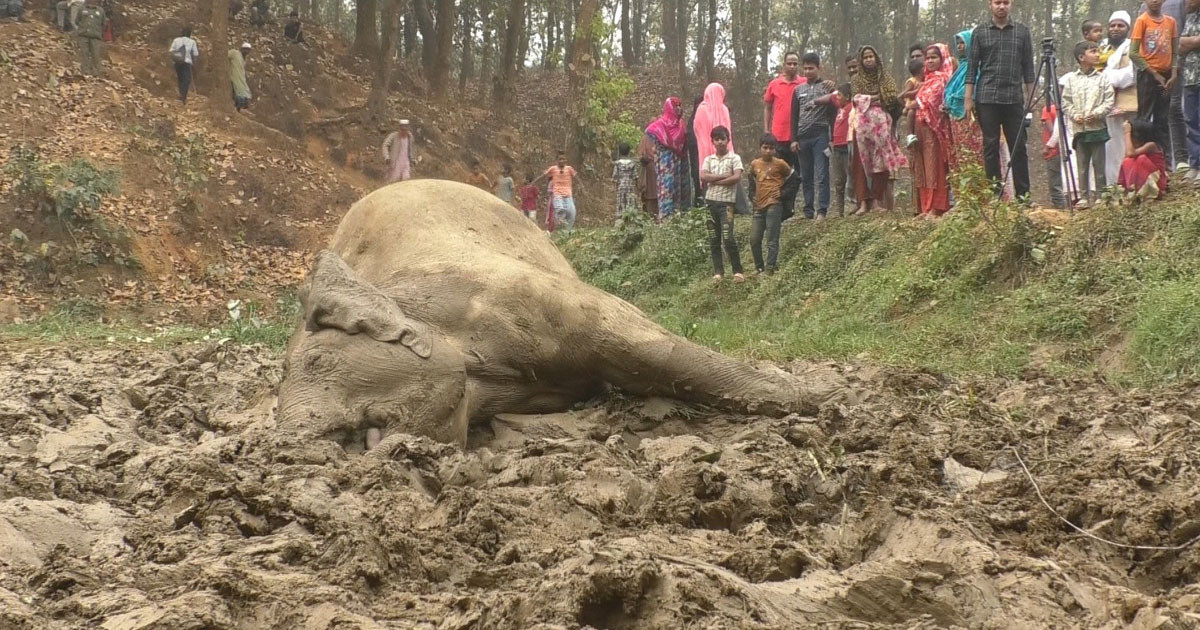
(839, 160)
(1054, 175)
(529, 197)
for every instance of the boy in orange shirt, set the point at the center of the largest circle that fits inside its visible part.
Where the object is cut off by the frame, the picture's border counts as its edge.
(1152, 49)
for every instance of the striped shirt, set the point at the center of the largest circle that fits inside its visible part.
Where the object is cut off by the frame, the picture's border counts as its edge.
(1000, 63)
(722, 165)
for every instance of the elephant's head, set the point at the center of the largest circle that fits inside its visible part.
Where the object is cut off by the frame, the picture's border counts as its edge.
(358, 367)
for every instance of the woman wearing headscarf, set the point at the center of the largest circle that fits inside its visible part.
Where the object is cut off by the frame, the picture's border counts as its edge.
(665, 142)
(934, 156)
(874, 93)
(711, 113)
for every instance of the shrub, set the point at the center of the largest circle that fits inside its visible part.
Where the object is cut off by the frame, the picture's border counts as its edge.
(71, 190)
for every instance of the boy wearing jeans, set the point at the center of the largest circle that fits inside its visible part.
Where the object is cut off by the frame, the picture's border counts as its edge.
(1087, 99)
(768, 175)
(721, 172)
(1152, 48)
(813, 104)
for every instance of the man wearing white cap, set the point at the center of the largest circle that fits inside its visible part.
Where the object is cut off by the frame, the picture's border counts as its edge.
(1122, 75)
(237, 76)
(399, 153)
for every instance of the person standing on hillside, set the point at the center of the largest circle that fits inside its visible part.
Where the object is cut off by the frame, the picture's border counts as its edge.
(399, 153)
(90, 32)
(13, 9)
(184, 52)
(664, 144)
(562, 196)
(711, 114)
(1189, 49)
(506, 188)
(777, 116)
(1122, 76)
(625, 175)
(529, 198)
(814, 104)
(237, 76)
(999, 78)
(260, 13)
(478, 178)
(722, 171)
(1176, 150)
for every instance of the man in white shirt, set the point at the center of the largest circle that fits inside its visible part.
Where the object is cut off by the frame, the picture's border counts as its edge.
(184, 51)
(1122, 76)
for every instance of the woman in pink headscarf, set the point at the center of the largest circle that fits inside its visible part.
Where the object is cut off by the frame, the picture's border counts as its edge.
(934, 156)
(664, 146)
(711, 113)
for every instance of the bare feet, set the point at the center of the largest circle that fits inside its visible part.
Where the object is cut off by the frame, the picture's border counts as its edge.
(737, 277)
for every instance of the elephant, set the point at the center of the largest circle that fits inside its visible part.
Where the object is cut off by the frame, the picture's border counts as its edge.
(436, 304)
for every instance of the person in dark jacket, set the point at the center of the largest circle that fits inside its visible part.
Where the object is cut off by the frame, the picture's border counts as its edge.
(694, 153)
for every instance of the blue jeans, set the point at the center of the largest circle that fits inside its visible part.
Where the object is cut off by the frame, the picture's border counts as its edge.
(564, 213)
(1191, 116)
(766, 222)
(814, 171)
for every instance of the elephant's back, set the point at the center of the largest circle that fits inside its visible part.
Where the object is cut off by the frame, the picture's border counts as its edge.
(431, 222)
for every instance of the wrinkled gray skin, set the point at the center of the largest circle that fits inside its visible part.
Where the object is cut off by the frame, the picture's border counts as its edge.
(437, 304)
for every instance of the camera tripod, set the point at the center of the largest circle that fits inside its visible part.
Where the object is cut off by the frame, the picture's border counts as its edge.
(1048, 72)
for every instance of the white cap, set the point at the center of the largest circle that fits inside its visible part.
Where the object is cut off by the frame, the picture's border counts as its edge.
(403, 122)
(246, 46)
(1119, 16)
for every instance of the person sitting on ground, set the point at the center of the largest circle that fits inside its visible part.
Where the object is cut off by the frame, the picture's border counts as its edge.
(562, 197)
(237, 76)
(400, 154)
(505, 187)
(721, 174)
(529, 197)
(768, 175)
(184, 52)
(1144, 170)
(293, 29)
(260, 13)
(625, 175)
(478, 178)
(1087, 99)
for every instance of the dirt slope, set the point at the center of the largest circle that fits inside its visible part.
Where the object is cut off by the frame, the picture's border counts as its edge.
(146, 491)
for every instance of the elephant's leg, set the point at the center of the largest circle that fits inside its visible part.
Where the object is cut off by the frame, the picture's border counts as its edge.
(641, 357)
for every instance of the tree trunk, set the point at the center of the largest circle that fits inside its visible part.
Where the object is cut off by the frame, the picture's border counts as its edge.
(639, 32)
(568, 28)
(220, 56)
(627, 55)
(338, 7)
(708, 48)
(382, 79)
(550, 50)
(366, 36)
(523, 51)
(579, 73)
(487, 56)
(410, 33)
(425, 25)
(466, 43)
(445, 48)
(504, 88)
(671, 47)
(764, 35)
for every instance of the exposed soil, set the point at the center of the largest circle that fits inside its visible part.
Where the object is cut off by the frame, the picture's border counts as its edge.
(149, 490)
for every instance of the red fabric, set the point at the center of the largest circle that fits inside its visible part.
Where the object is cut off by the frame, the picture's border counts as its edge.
(1136, 170)
(931, 172)
(779, 97)
(841, 126)
(668, 128)
(529, 195)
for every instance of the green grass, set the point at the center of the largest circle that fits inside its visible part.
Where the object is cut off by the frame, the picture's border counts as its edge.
(985, 291)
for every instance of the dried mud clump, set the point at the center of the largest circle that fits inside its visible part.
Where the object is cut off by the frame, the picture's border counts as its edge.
(151, 490)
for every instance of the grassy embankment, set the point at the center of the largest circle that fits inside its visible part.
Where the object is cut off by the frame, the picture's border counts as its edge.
(988, 290)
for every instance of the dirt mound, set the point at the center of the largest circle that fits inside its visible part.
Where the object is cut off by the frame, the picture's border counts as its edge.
(150, 490)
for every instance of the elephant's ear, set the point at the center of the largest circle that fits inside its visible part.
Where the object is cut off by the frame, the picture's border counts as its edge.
(336, 298)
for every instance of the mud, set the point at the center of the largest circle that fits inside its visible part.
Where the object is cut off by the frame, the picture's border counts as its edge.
(148, 490)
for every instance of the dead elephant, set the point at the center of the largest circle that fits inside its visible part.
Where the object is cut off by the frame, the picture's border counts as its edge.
(437, 304)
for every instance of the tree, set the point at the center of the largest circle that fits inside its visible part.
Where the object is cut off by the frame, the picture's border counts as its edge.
(627, 54)
(579, 74)
(382, 79)
(426, 26)
(503, 91)
(366, 37)
(220, 54)
(445, 47)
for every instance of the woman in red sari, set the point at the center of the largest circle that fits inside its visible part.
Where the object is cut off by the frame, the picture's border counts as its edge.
(1144, 170)
(934, 157)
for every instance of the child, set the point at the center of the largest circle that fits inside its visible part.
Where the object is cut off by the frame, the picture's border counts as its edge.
(1087, 99)
(562, 197)
(477, 178)
(1152, 48)
(768, 174)
(1144, 170)
(529, 198)
(839, 161)
(1050, 135)
(1093, 31)
(721, 173)
(625, 174)
(505, 188)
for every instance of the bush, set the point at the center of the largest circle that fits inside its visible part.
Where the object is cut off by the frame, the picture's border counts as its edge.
(71, 190)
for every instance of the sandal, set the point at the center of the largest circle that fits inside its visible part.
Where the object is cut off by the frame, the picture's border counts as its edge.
(737, 277)
(717, 278)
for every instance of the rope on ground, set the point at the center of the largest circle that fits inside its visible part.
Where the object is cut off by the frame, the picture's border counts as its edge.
(1086, 533)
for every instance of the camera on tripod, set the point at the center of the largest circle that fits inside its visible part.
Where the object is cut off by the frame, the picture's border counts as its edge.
(1048, 46)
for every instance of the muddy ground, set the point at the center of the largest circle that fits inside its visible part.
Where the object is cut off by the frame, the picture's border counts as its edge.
(144, 489)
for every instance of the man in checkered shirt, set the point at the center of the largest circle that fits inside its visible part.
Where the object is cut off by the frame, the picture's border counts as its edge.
(1000, 77)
